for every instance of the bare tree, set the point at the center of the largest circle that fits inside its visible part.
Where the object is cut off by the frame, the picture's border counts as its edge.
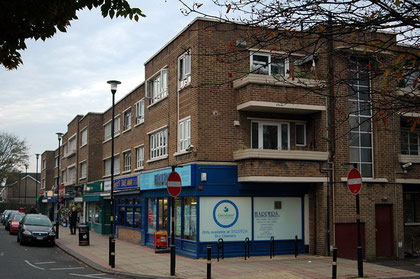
(13, 154)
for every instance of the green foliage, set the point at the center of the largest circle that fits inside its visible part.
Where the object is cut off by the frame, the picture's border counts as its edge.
(39, 19)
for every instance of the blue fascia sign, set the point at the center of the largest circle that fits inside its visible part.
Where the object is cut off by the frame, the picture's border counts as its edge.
(126, 183)
(157, 179)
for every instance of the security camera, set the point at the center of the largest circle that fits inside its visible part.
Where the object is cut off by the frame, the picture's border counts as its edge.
(190, 148)
(407, 165)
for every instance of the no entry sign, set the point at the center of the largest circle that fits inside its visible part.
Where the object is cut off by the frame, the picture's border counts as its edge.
(174, 184)
(354, 181)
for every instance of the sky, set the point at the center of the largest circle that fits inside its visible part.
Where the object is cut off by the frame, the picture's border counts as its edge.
(66, 75)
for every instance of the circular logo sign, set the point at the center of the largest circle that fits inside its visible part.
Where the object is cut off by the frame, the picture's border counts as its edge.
(225, 213)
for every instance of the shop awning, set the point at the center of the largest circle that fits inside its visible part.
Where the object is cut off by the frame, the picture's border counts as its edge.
(92, 197)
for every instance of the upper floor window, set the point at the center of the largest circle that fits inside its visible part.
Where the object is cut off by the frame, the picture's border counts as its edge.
(159, 144)
(71, 175)
(65, 150)
(184, 70)
(268, 64)
(410, 142)
(127, 160)
(72, 145)
(43, 183)
(107, 165)
(300, 129)
(140, 157)
(409, 79)
(360, 116)
(108, 127)
(270, 135)
(184, 134)
(83, 137)
(83, 170)
(127, 119)
(44, 164)
(140, 112)
(157, 86)
(64, 176)
(57, 160)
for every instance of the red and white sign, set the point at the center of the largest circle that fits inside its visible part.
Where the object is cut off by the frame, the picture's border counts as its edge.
(174, 184)
(354, 181)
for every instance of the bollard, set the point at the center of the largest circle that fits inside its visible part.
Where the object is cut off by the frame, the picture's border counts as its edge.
(272, 247)
(296, 246)
(208, 262)
(172, 251)
(112, 251)
(246, 248)
(220, 243)
(57, 229)
(334, 263)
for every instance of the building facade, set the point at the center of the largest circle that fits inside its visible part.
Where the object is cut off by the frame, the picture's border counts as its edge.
(262, 149)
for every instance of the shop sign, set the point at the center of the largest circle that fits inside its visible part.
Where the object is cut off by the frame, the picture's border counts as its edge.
(277, 217)
(227, 218)
(97, 186)
(61, 190)
(126, 183)
(158, 179)
(50, 193)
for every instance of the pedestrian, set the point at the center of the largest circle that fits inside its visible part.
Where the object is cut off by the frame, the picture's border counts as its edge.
(73, 220)
(33, 210)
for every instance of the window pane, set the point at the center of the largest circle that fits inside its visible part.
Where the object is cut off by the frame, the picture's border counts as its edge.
(354, 139)
(260, 64)
(366, 154)
(353, 122)
(354, 154)
(366, 140)
(190, 217)
(178, 214)
(284, 136)
(254, 135)
(364, 108)
(366, 170)
(151, 216)
(137, 217)
(277, 65)
(270, 134)
(300, 134)
(365, 124)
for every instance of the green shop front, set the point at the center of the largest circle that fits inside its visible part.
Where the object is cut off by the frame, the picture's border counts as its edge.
(98, 207)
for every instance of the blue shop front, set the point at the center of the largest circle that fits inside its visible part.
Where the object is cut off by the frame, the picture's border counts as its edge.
(213, 206)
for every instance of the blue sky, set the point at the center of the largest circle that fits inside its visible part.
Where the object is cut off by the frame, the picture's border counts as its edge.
(66, 75)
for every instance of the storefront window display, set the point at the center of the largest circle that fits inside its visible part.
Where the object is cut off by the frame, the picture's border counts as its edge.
(163, 213)
(129, 213)
(178, 218)
(94, 213)
(190, 218)
(151, 216)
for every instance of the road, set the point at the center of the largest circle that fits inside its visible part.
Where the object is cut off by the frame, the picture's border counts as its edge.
(40, 262)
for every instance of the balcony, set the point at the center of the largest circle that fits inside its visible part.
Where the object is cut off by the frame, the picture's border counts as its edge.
(280, 81)
(270, 154)
(261, 106)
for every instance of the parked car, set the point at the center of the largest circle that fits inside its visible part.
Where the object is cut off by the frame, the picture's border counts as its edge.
(8, 218)
(3, 216)
(14, 223)
(36, 228)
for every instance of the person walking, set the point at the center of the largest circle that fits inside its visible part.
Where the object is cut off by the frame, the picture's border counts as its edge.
(73, 220)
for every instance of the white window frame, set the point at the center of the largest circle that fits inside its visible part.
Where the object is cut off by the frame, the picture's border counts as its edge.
(83, 170)
(116, 165)
(257, 69)
(63, 176)
(157, 86)
(184, 133)
(127, 119)
(159, 144)
(71, 174)
(140, 157)
(107, 130)
(140, 112)
(304, 134)
(72, 144)
(407, 135)
(184, 72)
(127, 160)
(279, 124)
(83, 137)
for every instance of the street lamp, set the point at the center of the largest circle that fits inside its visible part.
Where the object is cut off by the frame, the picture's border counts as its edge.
(26, 178)
(114, 84)
(36, 182)
(59, 135)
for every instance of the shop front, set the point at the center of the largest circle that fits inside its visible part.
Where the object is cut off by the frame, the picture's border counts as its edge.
(214, 207)
(97, 209)
(128, 209)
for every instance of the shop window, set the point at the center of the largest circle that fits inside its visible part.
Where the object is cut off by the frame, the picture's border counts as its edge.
(190, 218)
(411, 207)
(178, 217)
(163, 214)
(151, 216)
(137, 217)
(121, 215)
(129, 217)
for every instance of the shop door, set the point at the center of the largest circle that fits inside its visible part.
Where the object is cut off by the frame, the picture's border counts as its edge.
(163, 214)
(346, 240)
(384, 232)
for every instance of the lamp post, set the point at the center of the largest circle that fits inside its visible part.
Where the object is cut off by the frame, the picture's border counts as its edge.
(114, 84)
(59, 135)
(26, 178)
(36, 182)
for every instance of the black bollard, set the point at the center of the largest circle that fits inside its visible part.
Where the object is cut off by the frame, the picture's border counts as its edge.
(247, 253)
(57, 229)
(296, 246)
(272, 247)
(208, 262)
(334, 263)
(220, 245)
(112, 251)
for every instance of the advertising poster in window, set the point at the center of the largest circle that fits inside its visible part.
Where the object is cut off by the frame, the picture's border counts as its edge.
(278, 217)
(225, 217)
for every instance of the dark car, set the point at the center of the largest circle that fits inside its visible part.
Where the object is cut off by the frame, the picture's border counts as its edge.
(8, 217)
(3, 216)
(36, 228)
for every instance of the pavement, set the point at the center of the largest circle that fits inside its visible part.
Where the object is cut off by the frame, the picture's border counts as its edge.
(141, 262)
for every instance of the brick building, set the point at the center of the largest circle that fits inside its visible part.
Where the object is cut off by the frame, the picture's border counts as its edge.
(248, 127)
